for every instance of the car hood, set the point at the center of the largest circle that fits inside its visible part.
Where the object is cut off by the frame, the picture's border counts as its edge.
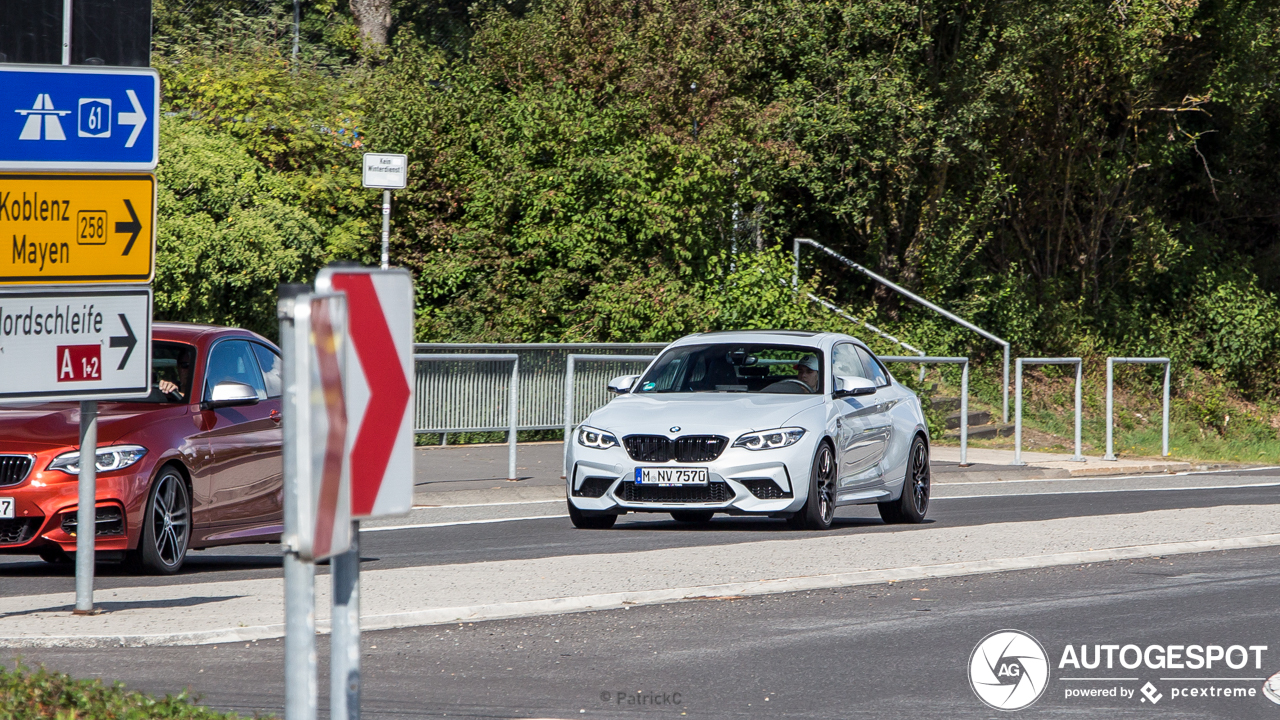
(31, 428)
(698, 413)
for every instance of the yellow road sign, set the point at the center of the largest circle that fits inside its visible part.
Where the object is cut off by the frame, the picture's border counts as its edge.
(77, 228)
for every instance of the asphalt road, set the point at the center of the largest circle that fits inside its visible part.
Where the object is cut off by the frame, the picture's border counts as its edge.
(554, 536)
(873, 651)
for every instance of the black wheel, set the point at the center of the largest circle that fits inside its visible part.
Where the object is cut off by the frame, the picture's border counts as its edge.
(582, 521)
(54, 556)
(820, 509)
(166, 526)
(692, 516)
(914, 502)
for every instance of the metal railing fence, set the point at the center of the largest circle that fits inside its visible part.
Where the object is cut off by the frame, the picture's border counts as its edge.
(963, 362)
(1004, 344)
(460, 368)
(1111, 363)
(448, 400)
(1017, 426)
(574, 405)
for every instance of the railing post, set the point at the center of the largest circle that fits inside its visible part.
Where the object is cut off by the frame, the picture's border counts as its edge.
(1005, 386)
(1168, 367)
(1110, 377)
(1079, 377)
(1017, 423)
(568, 411)
(964, 413)
(515, 416)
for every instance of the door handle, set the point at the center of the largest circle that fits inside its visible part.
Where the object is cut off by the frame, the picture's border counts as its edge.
(275, 416)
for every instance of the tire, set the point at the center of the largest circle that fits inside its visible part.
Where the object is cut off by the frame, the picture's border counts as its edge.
(819, 509)
(166, 526)
(582, 521)
(913, 504)
(54, 556)
(692, 516)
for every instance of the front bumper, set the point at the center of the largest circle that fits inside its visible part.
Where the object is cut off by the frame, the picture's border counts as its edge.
(740, 482)
(46, 502)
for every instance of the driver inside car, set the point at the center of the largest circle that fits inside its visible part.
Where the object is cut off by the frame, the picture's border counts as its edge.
(805, 381)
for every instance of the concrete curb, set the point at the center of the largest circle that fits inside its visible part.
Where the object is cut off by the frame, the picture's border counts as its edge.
(607, 601)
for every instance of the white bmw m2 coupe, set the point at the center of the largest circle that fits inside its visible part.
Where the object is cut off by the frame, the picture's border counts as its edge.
(778, 423)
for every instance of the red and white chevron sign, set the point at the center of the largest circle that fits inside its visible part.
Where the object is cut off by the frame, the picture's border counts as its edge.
(379, 387)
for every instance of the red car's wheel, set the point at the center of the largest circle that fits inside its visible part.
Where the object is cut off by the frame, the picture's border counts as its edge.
(166, 527)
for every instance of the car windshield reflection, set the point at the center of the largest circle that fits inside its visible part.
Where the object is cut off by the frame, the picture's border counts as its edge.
(736, 368)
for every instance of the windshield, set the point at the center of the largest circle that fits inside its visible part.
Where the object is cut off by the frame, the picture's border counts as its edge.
(726, 367)
(171, 366)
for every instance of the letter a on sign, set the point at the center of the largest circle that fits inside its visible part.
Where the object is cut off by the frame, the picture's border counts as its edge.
(379, 386)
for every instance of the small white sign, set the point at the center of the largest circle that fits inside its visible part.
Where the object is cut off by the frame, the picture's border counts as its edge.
(65, 345)
(385, 171)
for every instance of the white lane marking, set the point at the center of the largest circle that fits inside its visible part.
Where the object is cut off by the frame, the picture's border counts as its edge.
(1118, 490)
(496, 504)
(459, 522)
(1147, 476)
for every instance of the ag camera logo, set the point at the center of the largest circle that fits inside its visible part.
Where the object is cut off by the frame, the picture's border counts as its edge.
(1009, 670)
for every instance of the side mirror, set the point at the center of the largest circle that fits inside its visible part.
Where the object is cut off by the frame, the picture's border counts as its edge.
(622, 384)
(850, 386)
(230, 394)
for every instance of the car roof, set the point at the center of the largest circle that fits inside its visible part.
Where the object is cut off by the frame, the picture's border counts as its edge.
(803, 338)
(194, 332)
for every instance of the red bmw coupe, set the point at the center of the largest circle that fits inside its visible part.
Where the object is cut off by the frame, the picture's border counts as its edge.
(196, 464)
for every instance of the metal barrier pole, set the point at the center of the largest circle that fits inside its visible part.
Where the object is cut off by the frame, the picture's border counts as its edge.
(87, 511)
(963, 362)
(1110, 370)
(1164, 432)
(1004, 387)
(1017, 423)
(568, 410)
(515, 415)
(1079, 377)
(344, 634)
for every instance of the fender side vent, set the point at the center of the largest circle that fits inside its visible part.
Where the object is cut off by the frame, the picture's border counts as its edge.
(593, 487)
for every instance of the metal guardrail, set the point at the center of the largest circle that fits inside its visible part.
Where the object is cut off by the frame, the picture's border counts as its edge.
(456, 361)
(572, 410)
(1017, 427)
(448, 400)
(1111, 363)
(903, 291)
(963, 362)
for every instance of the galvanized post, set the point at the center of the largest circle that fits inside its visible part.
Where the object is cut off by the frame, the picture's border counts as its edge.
(299, 575)
(964, 413)
(1079, 377)
(344, 640)
(515, 412)
(1164, 434)
(1005, 386)
(568, 410)
(87, 510)
(1017, 423)
(386, 228)
(66, 33)
(1110, 378)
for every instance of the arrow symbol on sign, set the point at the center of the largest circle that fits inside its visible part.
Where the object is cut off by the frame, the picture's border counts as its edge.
(137, 119)
(133, 226)
(126, 341)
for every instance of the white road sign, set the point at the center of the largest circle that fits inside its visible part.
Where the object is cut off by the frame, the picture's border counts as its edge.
(90, 344)
(322, 466)
(385, 171)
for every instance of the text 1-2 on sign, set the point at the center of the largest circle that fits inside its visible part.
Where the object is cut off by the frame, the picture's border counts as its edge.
(77, 228)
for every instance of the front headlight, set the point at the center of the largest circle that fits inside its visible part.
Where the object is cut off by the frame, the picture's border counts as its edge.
(769, 439)
(111, 457)
(593, 438)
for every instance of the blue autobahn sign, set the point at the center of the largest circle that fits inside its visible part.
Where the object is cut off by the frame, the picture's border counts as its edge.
(78, 118)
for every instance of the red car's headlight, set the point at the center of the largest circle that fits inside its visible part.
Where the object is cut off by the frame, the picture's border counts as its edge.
(111, 457)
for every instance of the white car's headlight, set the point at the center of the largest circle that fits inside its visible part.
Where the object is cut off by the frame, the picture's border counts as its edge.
(111, 457)
(769, 439)
(593, 438)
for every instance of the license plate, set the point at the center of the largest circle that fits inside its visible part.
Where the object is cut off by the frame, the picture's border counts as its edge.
(671, 476)
(6, 508)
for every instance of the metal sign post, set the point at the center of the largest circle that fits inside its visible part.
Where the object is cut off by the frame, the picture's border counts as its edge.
(389, 172)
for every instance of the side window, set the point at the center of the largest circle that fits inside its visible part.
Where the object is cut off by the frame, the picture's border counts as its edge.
(844, 361)
(270, 363)
(233, 361)
(873, 366)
